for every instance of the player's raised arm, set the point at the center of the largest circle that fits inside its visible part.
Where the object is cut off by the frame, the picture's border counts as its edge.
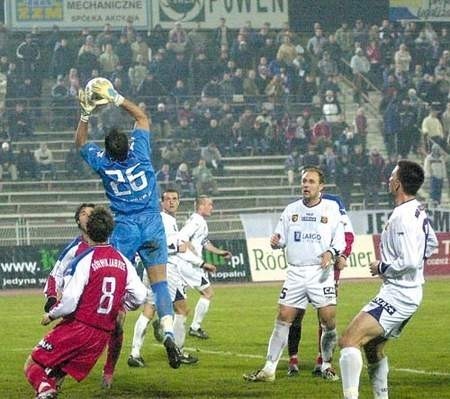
(86, 109)
(104, 90)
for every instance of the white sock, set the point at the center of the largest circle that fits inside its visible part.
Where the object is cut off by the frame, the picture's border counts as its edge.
(200, 312)
(378, 375)
(277, 342)
(179, 329)
(140, 329)
(328, 341)
(351, 366)
(166, 323)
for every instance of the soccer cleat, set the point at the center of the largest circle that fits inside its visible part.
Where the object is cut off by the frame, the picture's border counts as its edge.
(48, 394)
(173, 352)
(135, 361)
(157, 331)
(107, 381)
(187, 358)
(330, 374)
(292, 370)
(199, 333)
(317, 370)
(259, 376)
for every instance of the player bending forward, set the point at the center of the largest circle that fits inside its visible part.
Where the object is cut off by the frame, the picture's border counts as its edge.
(103, 280)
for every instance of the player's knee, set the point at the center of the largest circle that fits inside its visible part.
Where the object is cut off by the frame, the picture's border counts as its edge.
(208, 293)
(28, 362)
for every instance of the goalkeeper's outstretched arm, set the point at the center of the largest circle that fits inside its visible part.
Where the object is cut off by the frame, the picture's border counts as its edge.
(102, 88)
(142, 121)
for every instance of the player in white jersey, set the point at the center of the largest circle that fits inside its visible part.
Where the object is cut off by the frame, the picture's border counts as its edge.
(340, 263)
(170, 202)
(407, 240)
(312, 233)
(192, 266)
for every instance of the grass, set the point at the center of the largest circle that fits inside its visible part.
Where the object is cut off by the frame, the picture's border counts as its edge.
(240, 322)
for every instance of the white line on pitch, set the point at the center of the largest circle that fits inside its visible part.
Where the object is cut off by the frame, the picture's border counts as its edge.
(227, 353)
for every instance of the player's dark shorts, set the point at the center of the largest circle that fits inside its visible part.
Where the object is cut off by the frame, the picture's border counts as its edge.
(72, 347)
(143, 234)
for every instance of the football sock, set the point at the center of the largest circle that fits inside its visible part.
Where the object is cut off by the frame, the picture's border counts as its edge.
(295, 335)
(327, 344)
(140, 328)
(37, 377)
(378, 375)
(179, 329)
(114, 348)
(277, 342)
(351, 366)
(163, 302)
(166, 323)
(200, 312)
(319, 342)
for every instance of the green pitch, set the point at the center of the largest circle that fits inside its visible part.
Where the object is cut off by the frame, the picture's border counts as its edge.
(239, 323)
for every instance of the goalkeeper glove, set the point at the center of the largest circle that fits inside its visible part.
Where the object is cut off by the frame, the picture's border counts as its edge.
(104, 89)
(87, 107)
(51, 301)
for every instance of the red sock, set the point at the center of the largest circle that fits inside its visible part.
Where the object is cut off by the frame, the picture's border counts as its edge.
(37, 377)
(293, 359)
(114, 348)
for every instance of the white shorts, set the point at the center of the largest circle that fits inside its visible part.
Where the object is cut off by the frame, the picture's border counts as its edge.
(393, 307)
(194, 276)
(308, 284)
(176, 284)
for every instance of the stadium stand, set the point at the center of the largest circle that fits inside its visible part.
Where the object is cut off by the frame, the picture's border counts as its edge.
(260, 101)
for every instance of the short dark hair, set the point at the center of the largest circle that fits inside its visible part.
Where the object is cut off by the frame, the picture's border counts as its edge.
(116, 145)
(411, 176)
(317, 170)
(170, 190)
(100, 224)
(80, 208)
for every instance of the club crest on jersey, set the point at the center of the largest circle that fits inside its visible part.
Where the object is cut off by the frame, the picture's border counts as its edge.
(294, 217)
(323, 219)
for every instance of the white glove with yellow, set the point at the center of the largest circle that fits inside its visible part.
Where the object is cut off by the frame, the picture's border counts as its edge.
(86, 105)
(101, 91)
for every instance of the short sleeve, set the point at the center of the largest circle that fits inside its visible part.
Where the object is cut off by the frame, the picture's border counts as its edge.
(93, 155)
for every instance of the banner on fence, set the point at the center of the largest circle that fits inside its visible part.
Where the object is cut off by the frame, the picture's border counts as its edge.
(234, 269)
(427, 10)
(26, 267)
(76, 14)
(207, 13)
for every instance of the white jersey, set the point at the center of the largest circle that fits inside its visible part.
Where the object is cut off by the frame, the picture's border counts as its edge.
(172, 236)
(407, 240)
(195, 231)
(307, 232)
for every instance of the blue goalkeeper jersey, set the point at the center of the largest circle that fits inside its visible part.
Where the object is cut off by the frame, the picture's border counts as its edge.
(130, 185)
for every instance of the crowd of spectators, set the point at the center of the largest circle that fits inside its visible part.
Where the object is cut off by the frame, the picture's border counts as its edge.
(242, 92)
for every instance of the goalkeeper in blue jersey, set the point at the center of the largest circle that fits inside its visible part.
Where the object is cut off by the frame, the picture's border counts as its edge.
(129, 179)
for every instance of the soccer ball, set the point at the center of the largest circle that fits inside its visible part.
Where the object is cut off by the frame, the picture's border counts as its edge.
(93, 97)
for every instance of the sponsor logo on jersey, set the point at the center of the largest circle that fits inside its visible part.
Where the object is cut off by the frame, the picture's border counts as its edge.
(295, 217)
(323, 219)
(309, 218)
(386, 306)
(329, 290)
(47, 346)
(310, 237)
